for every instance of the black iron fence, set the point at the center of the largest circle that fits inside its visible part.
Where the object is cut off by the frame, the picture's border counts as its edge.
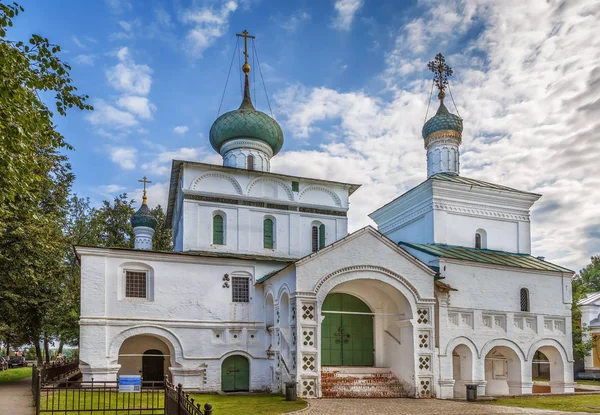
(93, 397)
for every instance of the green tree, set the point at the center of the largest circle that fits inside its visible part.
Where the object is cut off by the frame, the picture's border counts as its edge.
(161, 240)
(587, 281)
(35, 181)
(26, 126)
(112, 223)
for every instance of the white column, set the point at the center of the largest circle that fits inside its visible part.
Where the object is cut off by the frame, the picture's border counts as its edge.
(143, 237)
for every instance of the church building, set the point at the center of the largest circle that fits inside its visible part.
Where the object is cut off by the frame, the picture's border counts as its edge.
(265, 285)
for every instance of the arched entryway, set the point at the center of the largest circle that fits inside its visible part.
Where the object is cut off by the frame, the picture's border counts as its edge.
(235, 374)
(346, 331)
(462, 369)
(145, 355)
(502, 371)
(547, 365)
(153, 366)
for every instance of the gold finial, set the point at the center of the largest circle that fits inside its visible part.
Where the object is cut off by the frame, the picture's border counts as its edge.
(246, 36)
(144, 198)
(441, 73)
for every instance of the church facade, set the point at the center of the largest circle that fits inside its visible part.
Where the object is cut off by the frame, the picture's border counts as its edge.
(265, 285)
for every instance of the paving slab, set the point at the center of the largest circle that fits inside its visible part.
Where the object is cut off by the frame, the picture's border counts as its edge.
(413, 406)
(15, 398)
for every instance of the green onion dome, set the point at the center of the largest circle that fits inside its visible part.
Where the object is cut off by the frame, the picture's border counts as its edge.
(246, 122)
(443, 120)
(143, 217)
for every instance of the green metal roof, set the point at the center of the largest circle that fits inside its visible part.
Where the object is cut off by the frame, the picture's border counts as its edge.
(486, 256)
(442, 120)
(268, 276)
(143, 217)
(455, 178)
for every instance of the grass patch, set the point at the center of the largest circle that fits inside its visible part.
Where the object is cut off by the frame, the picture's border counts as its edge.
(222, 405)
(582, 403)
(250, 404)
(14, 375)
(588, 382)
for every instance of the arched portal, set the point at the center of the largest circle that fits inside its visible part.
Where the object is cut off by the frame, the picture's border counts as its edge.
(235, 374)
(346, 332)
(147, 356)
(502, 371)
(547, 365)
(462, 369)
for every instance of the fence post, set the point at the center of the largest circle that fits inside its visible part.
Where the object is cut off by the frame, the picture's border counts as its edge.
(37, 395)
(179, 394)
(207, 409)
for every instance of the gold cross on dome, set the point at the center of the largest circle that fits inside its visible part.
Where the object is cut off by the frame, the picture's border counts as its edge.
(144, 198)
(246, 36)
(441, 73)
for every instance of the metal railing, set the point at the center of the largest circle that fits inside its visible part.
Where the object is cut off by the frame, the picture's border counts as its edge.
(95, 397)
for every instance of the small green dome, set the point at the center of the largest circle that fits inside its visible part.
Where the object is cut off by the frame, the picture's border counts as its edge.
(442, 120)
(143, 217)
(246, 122)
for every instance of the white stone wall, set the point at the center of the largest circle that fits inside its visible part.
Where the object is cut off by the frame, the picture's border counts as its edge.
(188, 309)
(244, 224)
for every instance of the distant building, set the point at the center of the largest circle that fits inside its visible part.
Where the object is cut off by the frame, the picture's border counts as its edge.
(265, 285)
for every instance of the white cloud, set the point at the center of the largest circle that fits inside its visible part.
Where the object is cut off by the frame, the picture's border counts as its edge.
(118, 6)
(125, 157)
(345, 11)
(209, 24)
(160, 165)
(107, 115)
(181, 129)
(126, 26)
(110, 189)
(129, 77)
(140, 106)
(85, 59)
(293, 21)
(78, 42)
(527, 89)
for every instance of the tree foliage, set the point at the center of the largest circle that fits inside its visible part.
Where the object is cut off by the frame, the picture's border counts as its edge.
(587, 281)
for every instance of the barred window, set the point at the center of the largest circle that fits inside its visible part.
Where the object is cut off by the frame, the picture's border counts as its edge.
(240, 289)
(524, 299)
(135, 284)
(318, 237)
(250, 162)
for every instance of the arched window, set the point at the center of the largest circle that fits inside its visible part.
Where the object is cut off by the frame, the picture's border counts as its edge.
(268, 233)
(250, 162)
(218, 230)
(318, 237)
(524, 299)
(480, 239)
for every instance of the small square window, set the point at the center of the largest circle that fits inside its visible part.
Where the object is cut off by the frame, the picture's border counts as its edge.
(295, 186)
(240, 289)
(135, 284)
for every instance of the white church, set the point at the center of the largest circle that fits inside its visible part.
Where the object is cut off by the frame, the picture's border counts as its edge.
(265, 285)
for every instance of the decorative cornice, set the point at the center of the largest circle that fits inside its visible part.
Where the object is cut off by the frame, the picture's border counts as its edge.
(269, 180)
(483, 211)
(455, 136)
(336, 198)
(233, 181)
(246, 143)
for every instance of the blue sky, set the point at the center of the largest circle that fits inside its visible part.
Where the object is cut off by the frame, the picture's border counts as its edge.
(347, 80)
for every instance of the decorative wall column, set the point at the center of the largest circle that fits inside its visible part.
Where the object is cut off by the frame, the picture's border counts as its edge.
(308, 356)
(424, 347)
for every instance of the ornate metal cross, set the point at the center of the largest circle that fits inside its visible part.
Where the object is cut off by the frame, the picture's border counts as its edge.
(441, 73)
(246, 36)
(144, 180)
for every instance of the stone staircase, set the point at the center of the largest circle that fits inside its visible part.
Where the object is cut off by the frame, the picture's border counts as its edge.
(360, 382)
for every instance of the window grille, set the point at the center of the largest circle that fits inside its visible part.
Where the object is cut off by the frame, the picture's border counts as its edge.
(478, 240)
(250, 162)
(218, 230)
(268, 233)
(315, 238)
(240, 289)
(524, 299)
(135, 284)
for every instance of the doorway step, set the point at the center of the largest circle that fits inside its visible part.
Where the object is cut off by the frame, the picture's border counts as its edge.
(360, 382)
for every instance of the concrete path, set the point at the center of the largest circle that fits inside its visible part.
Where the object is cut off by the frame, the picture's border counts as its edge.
(15, 398)
(412, 406)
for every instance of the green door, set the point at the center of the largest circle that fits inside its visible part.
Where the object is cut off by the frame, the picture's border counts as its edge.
(235, 374)
(346, 338)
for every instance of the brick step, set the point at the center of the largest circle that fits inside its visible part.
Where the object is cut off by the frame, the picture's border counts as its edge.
(361, 383)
